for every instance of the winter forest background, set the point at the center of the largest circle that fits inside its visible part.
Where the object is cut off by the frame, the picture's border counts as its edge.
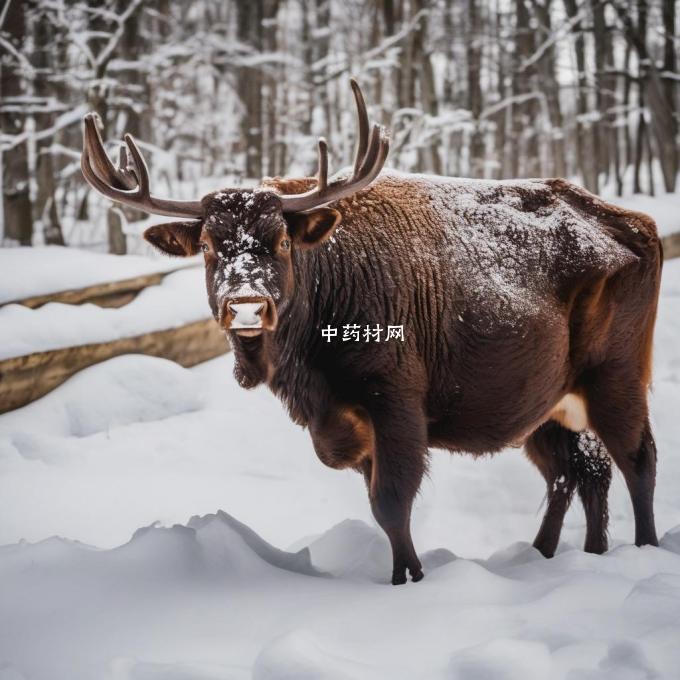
(228, 91)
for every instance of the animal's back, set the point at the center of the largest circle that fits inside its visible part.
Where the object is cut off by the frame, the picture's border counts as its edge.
(508, 248)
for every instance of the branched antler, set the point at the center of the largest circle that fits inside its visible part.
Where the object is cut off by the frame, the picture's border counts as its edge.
(128, 182)
(369, 160)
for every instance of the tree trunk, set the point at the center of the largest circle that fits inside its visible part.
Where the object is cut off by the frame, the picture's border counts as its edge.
(639, 142)
(391, 17)
(586, 147)
(270, 91)
(504, 118)
(116, 236)
(474, 89)
(525, 161)
(547, 66)
(45, 208)
(249, 32)
(17, 209)
(662, 124)
(429, 153)
(670, 63)
(627, 89)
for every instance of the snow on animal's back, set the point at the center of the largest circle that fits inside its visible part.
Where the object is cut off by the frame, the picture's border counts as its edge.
(511, 244)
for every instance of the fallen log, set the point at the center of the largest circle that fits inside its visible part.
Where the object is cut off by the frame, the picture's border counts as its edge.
(671, 246)
(26, 378)
(108, 294)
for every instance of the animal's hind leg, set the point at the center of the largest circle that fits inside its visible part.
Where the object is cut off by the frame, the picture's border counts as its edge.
(571, 460)
(593, 470)
(549, 448)
(635, 455)
(617, 410)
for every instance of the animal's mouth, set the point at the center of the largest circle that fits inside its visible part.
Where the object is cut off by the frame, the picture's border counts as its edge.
(248, 332)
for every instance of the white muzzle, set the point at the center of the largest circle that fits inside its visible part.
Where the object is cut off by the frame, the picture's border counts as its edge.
(246, 314)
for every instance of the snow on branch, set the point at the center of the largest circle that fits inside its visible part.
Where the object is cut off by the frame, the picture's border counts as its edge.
(67, 119)
(558, 34)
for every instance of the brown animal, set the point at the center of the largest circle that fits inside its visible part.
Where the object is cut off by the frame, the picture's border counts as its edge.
(528, 309)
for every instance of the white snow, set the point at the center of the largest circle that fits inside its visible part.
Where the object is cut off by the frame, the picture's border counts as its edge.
(137, 440)
(96, 401)
(27, 272)
(663, 207)
(179, 299)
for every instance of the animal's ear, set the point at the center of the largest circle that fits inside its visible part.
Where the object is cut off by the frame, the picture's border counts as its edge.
(179, 239)
(312, 228)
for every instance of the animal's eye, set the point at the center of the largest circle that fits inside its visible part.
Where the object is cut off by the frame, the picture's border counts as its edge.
(285, 244)
(204, 247)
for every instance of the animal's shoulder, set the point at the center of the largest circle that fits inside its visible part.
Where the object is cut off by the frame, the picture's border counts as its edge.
(288, 185)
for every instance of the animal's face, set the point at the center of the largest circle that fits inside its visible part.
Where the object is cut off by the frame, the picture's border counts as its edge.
(249, 247)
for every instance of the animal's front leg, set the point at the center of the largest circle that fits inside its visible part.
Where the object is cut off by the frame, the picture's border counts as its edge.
(343, 436)
(393, 478)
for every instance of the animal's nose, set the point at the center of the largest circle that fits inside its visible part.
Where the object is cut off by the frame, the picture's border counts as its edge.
(246, 314)
(249, 314)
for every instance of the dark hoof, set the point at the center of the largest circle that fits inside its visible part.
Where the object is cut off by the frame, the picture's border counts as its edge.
(649, 540)
(546, 551)
(399, 579)
(596, 548)
(417, 575)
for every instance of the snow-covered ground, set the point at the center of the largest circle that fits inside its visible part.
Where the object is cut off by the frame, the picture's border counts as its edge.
(139, 440)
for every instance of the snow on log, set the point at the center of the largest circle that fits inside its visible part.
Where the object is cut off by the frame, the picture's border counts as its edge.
(111, 294)
(26, 378)
(32, 272)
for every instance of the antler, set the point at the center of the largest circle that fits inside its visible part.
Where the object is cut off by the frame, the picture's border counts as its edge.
(368, 162)
(128, 183)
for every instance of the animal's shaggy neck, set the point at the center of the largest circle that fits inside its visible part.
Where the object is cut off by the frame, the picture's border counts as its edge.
(323, 296)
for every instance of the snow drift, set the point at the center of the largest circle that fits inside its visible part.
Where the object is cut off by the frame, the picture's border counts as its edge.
(211, 599)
